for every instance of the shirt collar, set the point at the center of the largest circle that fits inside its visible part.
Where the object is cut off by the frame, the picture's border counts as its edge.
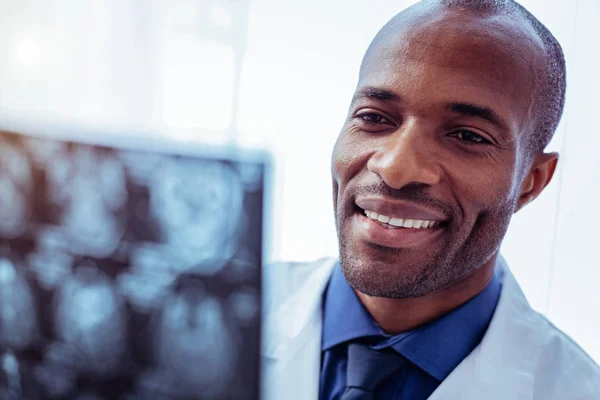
(437, 347)
(344, 316)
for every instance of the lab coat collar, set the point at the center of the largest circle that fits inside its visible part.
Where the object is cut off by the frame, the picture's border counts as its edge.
(287, 324)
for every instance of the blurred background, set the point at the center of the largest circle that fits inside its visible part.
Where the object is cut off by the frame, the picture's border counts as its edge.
(278, 76)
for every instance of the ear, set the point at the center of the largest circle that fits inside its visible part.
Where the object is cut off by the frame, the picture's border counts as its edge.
(539, 176)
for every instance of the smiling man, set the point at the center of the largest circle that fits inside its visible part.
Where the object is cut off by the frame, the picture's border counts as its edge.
(443, 143)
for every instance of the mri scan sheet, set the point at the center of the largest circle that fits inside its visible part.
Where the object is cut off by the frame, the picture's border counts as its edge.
(127, 274)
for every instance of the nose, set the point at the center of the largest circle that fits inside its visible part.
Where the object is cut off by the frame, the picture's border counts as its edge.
(406, 157)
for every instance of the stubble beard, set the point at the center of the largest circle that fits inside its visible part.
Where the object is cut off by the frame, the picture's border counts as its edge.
(391, 274)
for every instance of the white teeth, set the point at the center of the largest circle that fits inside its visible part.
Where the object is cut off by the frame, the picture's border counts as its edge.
(396, 222)
(383, 218)
(399, 222)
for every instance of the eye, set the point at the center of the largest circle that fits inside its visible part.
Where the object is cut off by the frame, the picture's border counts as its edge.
(469, 137)
(372, 118)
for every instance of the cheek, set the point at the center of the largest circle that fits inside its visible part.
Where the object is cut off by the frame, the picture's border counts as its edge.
(349, 158)
(484, 187)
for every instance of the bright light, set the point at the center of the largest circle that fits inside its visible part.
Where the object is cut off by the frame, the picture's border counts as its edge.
(28, 52)
(219, 17)
(198, 85)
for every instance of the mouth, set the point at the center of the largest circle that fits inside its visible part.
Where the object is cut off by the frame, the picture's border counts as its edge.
(399, 223)
(395, 232)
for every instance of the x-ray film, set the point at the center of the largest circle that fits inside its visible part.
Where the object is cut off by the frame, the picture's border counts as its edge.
(128, 274)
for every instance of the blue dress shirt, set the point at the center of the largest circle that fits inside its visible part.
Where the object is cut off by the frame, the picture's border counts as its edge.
(433, 350)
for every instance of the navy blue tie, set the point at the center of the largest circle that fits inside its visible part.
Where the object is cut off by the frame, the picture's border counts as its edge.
(367, 369)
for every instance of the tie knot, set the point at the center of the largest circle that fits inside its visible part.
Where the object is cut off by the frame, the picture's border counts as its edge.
(368, 368)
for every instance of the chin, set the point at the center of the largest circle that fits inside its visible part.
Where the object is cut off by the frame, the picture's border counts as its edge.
(392, 273)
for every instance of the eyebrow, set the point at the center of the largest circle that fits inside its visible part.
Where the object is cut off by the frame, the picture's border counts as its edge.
(369, 92)
(485, 113)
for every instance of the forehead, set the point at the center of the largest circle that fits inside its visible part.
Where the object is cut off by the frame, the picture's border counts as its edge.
(446, 55)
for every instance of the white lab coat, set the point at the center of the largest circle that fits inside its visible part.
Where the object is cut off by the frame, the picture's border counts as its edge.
(522, 355)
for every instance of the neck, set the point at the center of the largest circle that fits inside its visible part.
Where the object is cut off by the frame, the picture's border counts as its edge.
(396, 316)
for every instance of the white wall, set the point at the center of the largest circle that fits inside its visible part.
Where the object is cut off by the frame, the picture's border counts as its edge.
(284, 81)
(574, 298)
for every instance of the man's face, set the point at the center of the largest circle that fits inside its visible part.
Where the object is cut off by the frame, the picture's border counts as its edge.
(434, 138)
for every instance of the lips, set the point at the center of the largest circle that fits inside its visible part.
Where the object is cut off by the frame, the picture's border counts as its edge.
(399, 209)
(408, 235)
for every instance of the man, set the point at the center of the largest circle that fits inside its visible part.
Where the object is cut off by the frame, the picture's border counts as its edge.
(443, 143)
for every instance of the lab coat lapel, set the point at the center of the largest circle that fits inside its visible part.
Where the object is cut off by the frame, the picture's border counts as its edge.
(501, 367)
(292, 335)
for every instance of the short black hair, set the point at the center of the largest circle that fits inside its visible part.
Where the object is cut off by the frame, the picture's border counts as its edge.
(551, 93)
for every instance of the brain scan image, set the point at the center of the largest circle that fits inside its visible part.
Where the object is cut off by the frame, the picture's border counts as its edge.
(149, 278)
(194, 330)
(141, 166)
(244, 304)
(90, 188)
(18, 314)
(251, 176)
(90, 396)
(199, 206)
(51, 261)
(44, 152)
(128, 274)
(10, 379)
(90, 317)
(15, 189)
(56, 373)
